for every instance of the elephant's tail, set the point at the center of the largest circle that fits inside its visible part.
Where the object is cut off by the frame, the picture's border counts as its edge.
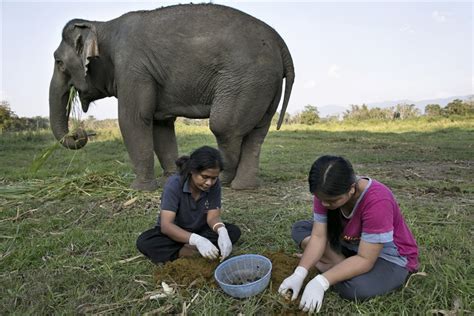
(289, 75)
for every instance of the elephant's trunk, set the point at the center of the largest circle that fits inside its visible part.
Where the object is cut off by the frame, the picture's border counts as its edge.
(59, 113)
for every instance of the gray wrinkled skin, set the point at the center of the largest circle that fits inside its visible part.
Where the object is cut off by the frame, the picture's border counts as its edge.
(194, 61)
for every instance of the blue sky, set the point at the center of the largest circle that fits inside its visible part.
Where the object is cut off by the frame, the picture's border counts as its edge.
(344, 52)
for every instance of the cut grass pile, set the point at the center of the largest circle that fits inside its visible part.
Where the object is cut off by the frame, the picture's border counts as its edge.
(68, 231)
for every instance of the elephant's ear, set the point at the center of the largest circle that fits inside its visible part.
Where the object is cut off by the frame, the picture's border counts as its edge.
(86, 43)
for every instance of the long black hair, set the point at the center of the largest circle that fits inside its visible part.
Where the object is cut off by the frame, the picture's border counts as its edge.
(203, 158)
(332, 176)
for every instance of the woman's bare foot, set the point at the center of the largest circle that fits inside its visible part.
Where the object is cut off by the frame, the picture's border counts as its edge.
(323, 266)
(187, 251)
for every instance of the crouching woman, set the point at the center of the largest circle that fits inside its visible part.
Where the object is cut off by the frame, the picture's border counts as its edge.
(190, 217)
(358, 238)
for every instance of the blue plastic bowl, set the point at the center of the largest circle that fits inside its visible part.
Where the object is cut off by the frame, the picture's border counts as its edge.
(244, 275)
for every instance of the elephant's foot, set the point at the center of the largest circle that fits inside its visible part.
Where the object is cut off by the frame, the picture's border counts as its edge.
(226, 178)
(164, 177)
(238, 184)
(144, 185)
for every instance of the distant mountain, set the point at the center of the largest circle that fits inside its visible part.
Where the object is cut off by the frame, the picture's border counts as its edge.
(336, 109)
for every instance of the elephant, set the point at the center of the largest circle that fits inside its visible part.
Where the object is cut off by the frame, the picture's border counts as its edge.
(195, 61)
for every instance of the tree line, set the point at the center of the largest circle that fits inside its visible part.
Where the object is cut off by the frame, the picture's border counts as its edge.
(310, 115)
(9, 121)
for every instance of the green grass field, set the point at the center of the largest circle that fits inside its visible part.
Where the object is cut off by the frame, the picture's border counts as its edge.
(66, 231)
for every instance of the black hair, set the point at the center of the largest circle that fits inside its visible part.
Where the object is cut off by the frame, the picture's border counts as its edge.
(203, 158)
(332, 176)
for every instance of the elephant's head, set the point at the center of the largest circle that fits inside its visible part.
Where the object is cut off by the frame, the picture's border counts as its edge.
(72, 60)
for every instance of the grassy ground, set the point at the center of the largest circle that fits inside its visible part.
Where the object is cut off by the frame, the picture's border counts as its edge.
(67, 230)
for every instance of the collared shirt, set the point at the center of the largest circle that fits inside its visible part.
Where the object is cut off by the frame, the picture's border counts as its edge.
(191, 215)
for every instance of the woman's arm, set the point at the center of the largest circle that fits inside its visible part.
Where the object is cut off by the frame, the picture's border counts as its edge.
(355, 265)
(214, 217)
(169, 228)
(316, 246)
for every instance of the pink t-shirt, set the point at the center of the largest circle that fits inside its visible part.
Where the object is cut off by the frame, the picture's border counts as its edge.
(376, 218)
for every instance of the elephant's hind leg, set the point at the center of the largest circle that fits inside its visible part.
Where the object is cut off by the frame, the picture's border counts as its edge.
(230, 148)
(246, 176)
(233, 121)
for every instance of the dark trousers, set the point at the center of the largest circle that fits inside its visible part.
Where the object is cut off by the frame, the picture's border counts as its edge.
(158, 247)
(384, 277)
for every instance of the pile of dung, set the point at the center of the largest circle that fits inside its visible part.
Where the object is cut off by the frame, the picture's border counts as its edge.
(283, 266)
(188, 272)
(199, 272)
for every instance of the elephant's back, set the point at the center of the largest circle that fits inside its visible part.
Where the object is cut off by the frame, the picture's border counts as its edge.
(205, 20)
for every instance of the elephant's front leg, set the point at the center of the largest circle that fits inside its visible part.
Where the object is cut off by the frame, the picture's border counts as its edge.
(165, 145)
(137, 132)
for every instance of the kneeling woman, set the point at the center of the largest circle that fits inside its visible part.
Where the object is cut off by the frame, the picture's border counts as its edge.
(189, 220)
(358, 239)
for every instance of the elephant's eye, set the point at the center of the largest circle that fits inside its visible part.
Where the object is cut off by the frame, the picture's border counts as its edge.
(60, 65)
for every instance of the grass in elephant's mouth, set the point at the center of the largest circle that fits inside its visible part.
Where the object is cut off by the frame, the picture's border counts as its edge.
(65, 239)
(74, 108)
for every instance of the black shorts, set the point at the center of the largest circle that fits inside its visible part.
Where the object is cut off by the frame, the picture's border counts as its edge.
(158, 247)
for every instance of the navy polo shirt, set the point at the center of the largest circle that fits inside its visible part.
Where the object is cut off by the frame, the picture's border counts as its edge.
(191, 215)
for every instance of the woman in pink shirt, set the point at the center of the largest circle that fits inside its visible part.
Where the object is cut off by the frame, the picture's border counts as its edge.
(358, 238)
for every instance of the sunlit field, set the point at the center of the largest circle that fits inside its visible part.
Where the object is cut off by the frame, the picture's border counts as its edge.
(69, 222)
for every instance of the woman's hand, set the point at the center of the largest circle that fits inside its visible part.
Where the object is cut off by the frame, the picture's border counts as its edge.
(204, 246)
(225, 245)
(313, 294)
(294, 282)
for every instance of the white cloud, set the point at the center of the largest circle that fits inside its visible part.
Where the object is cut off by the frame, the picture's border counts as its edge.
(407, 28)
(438, 16)
(334, 71)
(310, 84)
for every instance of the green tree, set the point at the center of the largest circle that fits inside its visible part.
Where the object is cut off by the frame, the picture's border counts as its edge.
(40, 122)
(7, 116)
(458, 107)
(407, 110)
(309, 116)
(433, 110)
(357, 112)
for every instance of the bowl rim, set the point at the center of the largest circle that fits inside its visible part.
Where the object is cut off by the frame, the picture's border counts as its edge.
(220, 266)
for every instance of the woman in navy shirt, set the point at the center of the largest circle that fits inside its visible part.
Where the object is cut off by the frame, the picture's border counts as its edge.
(189, 220)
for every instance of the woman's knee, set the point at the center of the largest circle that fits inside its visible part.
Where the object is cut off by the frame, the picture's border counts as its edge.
(147, 240)
(234, 232)
(141, 243)
(300, 230)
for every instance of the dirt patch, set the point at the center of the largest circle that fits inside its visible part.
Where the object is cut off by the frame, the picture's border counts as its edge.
(188, 272)
(197, 272)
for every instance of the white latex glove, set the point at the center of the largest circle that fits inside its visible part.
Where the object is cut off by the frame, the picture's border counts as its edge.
(294, 282)
(204, 246)
(225, 245)
(313, 294)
